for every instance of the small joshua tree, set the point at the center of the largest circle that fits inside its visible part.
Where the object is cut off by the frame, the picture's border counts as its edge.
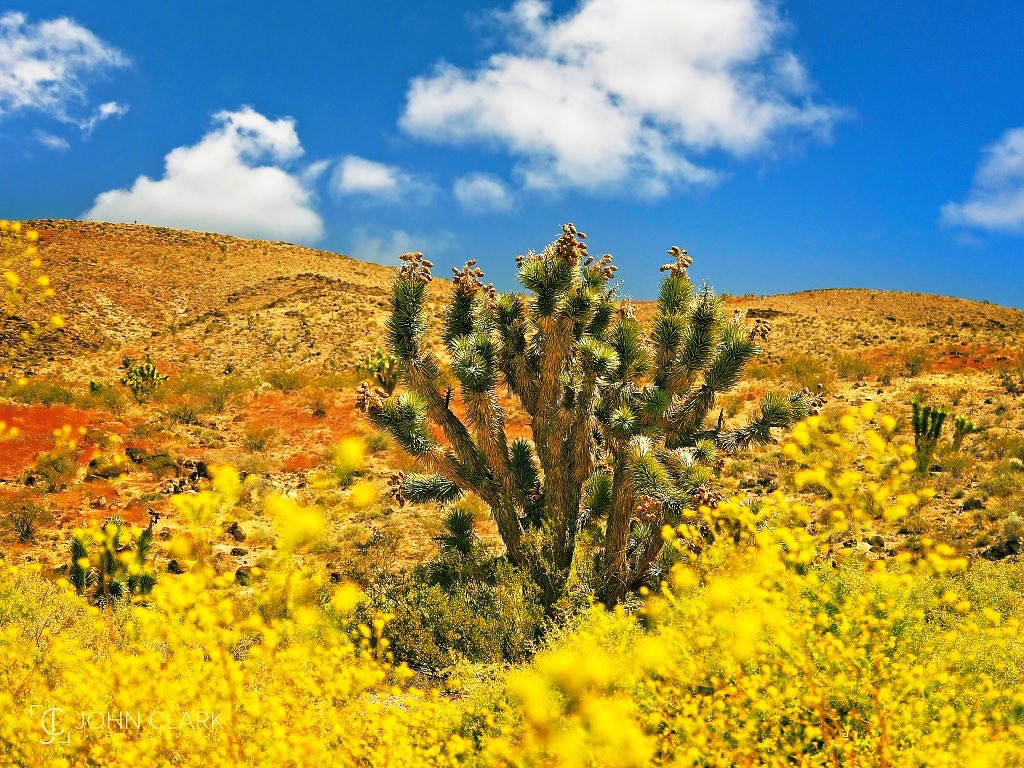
(623, 435)
(927, 423)
(962, 427)
(143, 379)
(111, 563)
(382, 367)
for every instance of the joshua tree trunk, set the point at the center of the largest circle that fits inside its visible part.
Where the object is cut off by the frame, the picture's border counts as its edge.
(621, 443)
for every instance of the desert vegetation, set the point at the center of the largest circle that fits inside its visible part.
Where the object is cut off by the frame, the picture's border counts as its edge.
(299, 510)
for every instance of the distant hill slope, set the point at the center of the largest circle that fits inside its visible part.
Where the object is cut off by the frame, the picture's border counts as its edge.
(209, 299)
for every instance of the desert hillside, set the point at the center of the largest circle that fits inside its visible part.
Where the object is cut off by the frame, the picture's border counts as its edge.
(260, 340)
(278, 329)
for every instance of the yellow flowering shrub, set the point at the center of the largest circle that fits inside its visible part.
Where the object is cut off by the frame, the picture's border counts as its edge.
(24, 289)
(776, 639)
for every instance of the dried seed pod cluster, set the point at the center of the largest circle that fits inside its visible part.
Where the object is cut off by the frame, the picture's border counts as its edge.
(761, 329)
(414, 265)
(815, 400)
(369, 399)
(468, 280)
(396, 488)
(570, 247)
(602, 266)
(648, 509)
(680, 264)
(707, 496)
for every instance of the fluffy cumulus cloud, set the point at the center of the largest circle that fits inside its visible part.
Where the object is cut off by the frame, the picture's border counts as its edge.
(240, 178)
(625, 92)
(358, 176)
(996, 199)
(482, 193)
(386, 247)
(47, 66)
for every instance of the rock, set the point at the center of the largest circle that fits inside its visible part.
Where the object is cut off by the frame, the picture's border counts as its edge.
(243, 576)
(876, 542)
(1006, 549)
(235, 531)
(174, 567)
(335, 577)
(972, 504)
(239, 551)
(165, 534)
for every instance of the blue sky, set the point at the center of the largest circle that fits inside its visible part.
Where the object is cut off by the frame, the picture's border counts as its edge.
(788, 146)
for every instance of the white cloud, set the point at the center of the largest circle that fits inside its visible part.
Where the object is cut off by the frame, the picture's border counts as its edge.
(236, 180)
(103, 112)
(385, 248)
(624, 92)
(996, 199)
(46, 66)
(366, 178)
(482, 193)
(51, 141)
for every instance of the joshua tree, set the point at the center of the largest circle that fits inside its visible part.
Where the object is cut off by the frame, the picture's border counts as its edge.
(623, 436)
(927, 422)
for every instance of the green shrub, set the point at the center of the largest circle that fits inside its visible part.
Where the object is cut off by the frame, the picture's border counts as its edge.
(807, 371)
(915, 361)
(34, 391)
(22, 518)
(851, 365)
(284, 380)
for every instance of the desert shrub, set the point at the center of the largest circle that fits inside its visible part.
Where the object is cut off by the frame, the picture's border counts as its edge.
(377, 442)
(957, 464)
(106, 398)
(851, 365)
(22, 518)
(284, 380)
(38, 391)
(461, 605)
(208, 392)
(915, 361)
(1013, 527)
(185, 413)
(55, 469)
(1012, 379)
(806, 371)
(1004, 481)
(258, 439)
(319, 404)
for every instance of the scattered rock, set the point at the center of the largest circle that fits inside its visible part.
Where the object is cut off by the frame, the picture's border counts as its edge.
(1006, 549)
(239, 551)
(165, 534)
(335, 577)
(876, 542)
(243, 576)
(174, 567)
(972, 504)
(235, 531)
